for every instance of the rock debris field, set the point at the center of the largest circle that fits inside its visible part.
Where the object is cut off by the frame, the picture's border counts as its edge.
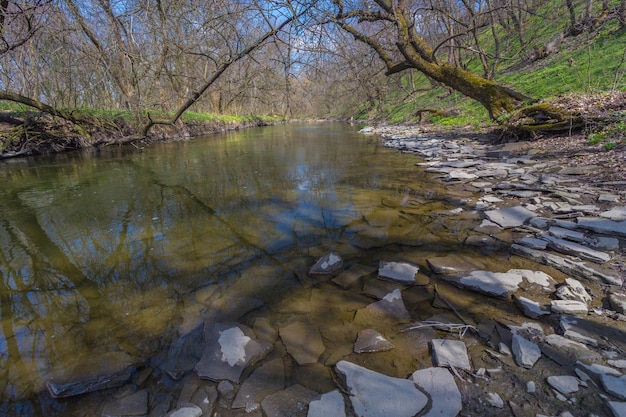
(527, 318)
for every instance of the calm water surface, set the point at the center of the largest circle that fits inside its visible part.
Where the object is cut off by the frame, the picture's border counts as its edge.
(99, 253)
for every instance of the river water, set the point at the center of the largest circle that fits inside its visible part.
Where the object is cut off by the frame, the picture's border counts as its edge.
(101, 252)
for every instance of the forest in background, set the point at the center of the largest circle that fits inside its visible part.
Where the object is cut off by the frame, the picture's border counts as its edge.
(152, 62)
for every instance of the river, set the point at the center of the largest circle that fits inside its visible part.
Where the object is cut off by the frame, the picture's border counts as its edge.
(98, 251)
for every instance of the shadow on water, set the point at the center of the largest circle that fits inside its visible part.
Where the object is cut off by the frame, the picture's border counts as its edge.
(123, 251)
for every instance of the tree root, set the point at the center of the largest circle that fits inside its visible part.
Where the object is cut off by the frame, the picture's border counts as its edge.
(529, 121)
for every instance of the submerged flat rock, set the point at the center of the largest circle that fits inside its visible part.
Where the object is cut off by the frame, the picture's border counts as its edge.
(292, 402)
(327, 264)
(229, 349)
(498, 284)
(266, 380)
(369, 341)
(401, 272)
(303, 341)
(329, 404)
(390, 307)
(373, 394)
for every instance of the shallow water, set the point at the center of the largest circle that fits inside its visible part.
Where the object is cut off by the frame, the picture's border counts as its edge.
(114, 251)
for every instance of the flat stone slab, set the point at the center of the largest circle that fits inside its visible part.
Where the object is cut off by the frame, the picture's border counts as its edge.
(353, 274)
(303, 341)
(604, 226)
(439, 384)
(530, 308)
(510, 217)
(390, 307)
(568, 307)
(616, 213)
(373, 394)
(292, 402)
(369, 341)
(572, 289)
(266, 380)
(447, 352)
(185, 411)
(229, 349)
(327, 264)
(567, 352)
(102, 371)
(329, 404)
(576, 249)
(498, 284)
(453, 264)
(618, 408)
(401, 272)
(564, 384)
(525, 352)
(615, 386)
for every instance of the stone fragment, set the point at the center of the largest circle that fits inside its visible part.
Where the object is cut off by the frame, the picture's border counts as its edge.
(498, 284)
(533, 243)
(105, 370)
(327, 264)
(329, 404)
(618, 363)
(185, 411)
(510, 217)
(229, 349)
(369, 341)
(564, 384)
(572, 248)
(525, 352)
(567, 352)
(617, 408)
(265, 380)
(453, 264)
(439, 384)
(573, 330)
(598, 369)
(572, 289)
(535, 277)
(460, 175)
(608, 198)
(401, 272)
(303, 341)
(604, 226)
(616, 213)
(604, 243)
(390, 307)
(447, 352)
(494, 399)
(579, 170)
(135, 404)
(530, 387)
(618, 302)
(562, 233)
(292, 402)
(615, 386)
(568, 307)
(530, 308)
(206, 399)
(373, 394)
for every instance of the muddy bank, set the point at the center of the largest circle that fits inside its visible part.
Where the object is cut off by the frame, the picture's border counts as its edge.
(28, 134)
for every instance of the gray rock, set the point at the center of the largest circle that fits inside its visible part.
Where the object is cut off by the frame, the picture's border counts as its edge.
(572, 267)
(439, 384)
(615, 386)
(573, 290)
(533, 243)
(539, 223)
(580, 170)
(327, 264)
(447, 352)
(303, 341)
(572, 330)
(608, 198)
(604, 226)
(525, 352)
(349, 277)
(292, 402)
(535, 277)
(369, 341)
(616, 213)
(618, 363)
(572, 248)
(390, 307)
(453, 264)
(564, 384)
(605, 243)
(189, 410)
(402, 272)
(329, 404)
(102, 371)
(229, 349)
(598, 369)
(530, 308)
(617, 408)
(567, 352)
(510, 217)
(135, 404)
(373, 394)
(568, 307)
(562, 233)
(458, 174)
(266, 380)
(494, 399)
(499, 284)
(618, 302)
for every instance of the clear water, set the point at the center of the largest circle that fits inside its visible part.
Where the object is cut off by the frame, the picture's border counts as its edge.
(100, 252)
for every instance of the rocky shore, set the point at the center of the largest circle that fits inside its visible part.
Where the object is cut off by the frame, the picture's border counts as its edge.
(417, 333)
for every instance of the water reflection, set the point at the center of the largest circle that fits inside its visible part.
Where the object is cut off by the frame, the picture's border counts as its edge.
(97, 252)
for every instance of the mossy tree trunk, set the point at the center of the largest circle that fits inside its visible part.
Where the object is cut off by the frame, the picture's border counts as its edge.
(409, 50)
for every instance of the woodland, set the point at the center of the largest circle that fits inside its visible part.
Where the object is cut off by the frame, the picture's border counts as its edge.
(79, 73)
